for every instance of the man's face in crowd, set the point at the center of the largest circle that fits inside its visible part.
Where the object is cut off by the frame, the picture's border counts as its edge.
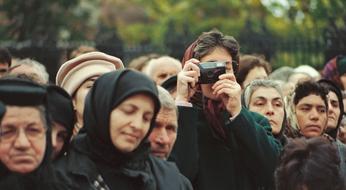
(311, 113)
(22, 139)
(164, 134)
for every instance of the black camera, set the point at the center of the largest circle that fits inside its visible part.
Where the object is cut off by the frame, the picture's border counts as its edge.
(210, 71)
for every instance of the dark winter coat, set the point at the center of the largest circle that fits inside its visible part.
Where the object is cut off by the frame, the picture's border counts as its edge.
(246, 160)
(78, 171)
(94, 162)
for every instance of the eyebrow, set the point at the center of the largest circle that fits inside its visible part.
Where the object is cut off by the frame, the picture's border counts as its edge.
(312, 105)
(264, 98)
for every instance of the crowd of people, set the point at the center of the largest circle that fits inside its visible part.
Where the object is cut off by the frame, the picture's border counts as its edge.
(217, 119)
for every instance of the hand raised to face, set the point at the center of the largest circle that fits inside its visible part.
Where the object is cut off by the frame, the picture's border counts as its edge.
(229, 91)
(187, 79)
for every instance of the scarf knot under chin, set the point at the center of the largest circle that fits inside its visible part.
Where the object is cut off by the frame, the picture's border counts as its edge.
(111, 157)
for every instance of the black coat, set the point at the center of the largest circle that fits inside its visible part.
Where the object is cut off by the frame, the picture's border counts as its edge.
(246, 160)
(78, 171)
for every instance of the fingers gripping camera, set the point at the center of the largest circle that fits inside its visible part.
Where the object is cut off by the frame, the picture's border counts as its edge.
(210, 71)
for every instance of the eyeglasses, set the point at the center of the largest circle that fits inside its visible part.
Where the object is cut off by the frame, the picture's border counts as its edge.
(9, 134)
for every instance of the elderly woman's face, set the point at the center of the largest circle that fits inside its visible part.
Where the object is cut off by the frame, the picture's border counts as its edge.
(268, 102)
(22, 139)
(130, 122)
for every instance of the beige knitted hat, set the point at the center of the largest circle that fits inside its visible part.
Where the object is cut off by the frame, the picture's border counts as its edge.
(74, 72)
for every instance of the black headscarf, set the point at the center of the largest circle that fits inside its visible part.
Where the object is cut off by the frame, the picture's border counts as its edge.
(331, 86)
(107, 93)
(60, 108)
(2, 110)
(20, 92)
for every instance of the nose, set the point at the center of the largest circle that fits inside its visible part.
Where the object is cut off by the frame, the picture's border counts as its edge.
(162, 136)
(21, 141)
(314, 114)
(137, 122)
(270, 110)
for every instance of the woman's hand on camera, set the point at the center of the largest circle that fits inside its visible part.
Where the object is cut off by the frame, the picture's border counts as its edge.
(229, 91)
(187, 79)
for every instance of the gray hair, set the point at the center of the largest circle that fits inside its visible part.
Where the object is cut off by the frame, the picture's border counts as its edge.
(254, 85)
(153, 64)
(40, 68)
(166, 100)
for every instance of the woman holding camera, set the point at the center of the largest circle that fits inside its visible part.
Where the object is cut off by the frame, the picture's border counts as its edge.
(114, 153)
(220, 144)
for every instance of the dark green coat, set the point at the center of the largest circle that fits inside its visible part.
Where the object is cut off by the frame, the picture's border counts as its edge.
(245, 161)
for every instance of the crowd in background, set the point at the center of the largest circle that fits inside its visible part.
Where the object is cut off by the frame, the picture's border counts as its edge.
(213, 119)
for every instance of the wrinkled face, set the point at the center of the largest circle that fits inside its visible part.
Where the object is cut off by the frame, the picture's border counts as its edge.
(79, 98)
(268, 102)
(22, 139)
(164, 134)
(219, 54)
(255, 73)
(130, 122)
(311, 113)
(333, 110)
(163, 71)
(59, 137)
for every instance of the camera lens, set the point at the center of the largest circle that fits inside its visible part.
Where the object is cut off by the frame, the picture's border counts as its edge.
(210, 73)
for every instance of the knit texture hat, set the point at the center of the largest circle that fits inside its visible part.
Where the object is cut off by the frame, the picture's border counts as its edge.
(74, 72)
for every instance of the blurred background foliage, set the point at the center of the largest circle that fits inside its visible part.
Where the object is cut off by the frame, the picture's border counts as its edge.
(286, 32)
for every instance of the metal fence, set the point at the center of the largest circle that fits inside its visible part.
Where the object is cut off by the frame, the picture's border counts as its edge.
(291, 52)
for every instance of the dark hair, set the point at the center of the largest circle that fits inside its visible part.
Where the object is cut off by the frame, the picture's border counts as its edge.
(247, 63)
(306, 88)
(5, 57)
(208, 41)
(312, 163)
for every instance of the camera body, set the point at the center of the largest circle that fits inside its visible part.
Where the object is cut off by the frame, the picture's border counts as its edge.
(210, 71)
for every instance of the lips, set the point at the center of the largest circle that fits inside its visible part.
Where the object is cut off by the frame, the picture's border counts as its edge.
(315, 128)
(131, 136)
(21, 158)
(160, 154)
